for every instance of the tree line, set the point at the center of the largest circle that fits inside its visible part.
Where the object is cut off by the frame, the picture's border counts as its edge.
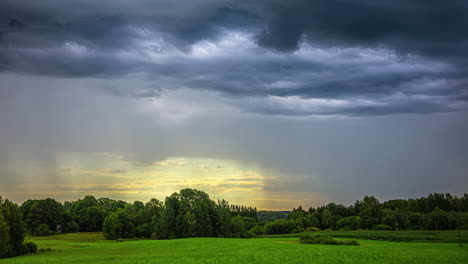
(188, 213)
(434, 212)
(191, 213)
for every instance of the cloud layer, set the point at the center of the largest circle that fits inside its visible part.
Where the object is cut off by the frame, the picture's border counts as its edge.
(294, 58)
(319, 100)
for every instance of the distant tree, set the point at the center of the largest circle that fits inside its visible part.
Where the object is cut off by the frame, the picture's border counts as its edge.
(269, 216)
(327, 219)
(257, 230)
(87, 213)
(237, 228)
(280, 227)
(46, 211)
(5, 246)
(201, 210)
(17, 230)
(351, 222)
(222, 223)
(110, 205)
(16, 226)
(112, 226)
(369, 211)
(42, 230)
(166, 226)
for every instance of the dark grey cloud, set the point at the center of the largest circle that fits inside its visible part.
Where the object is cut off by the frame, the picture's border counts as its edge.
(288, 57)
(431, 27)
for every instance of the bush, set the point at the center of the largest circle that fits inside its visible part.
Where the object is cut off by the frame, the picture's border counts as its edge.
(248, 234)
(312, 229)
(257, 230)
(382, 227)
(42, 230)
(298, 230)
(324, 240)
(30, 248)
(462, 227)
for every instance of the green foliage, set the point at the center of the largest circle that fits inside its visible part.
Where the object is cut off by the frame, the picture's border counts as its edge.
(312, 229)
(71, 227)
(46, 211)
(437, 211)
(382, 227)
(17, 230)
(143, 230)
(280, 227)
(269, 216)
(327, 219)
(237, 228)
(42, 230)
(369, 211)
(127, 223)
(325, 240)
(88, 213)
(257, 230)
(351, 223)
(5, 245)
(30, 247)
(112, 227)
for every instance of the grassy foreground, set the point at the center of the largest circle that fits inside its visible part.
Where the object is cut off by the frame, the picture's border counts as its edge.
(92, 248)
(450, 236)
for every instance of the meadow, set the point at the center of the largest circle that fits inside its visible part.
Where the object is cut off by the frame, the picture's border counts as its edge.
(448, 236)
(93, 248)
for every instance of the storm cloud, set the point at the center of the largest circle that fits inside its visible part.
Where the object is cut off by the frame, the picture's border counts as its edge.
(276, 103)
(275, 57)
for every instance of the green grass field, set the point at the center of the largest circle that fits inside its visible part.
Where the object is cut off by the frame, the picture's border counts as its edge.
(451, 236)
(92, 248)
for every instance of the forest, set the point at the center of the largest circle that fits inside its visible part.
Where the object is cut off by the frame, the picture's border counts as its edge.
(191, 213)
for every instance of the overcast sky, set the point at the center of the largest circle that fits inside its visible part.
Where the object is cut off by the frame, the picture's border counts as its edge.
(267, 103)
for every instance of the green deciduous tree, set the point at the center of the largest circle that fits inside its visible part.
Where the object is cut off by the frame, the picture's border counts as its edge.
(5, 246)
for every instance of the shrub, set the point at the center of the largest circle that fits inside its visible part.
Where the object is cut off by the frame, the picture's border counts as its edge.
(345, 229)
(324, 240)
(297, 230)
(257, 230)
(42, 230)
(30, 248)
(248, 234)
(312, 229)
(382, 227)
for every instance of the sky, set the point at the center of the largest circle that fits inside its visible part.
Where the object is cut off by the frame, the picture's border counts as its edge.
(265, 103)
